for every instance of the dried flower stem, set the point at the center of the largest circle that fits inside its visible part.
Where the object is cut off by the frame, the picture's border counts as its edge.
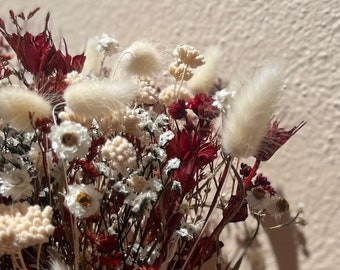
(211, 208)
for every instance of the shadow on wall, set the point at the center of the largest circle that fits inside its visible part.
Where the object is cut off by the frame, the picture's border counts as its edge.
(286, 243)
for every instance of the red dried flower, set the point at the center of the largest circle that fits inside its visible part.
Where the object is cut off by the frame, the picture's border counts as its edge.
(177, 110)
(194, 154)
(201, 104)
(274, 139)
(38, 54)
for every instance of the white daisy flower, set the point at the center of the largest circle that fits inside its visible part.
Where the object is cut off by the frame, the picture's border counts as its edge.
(277, 207)
(258, 198)
(83, 200)
(69, 140)
(16, 184)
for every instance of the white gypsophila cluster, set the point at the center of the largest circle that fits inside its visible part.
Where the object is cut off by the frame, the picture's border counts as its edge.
(22, 226)
(223, 99)
(107, 45)
(165, 137)
(146, 119)
(83, 200)
(120, 153)
(141, 203)
(147, 93)
(69, 140)
(189, 230)
(139, 184)
(155, 154)
(16, 184)
(172, 93)
(172, 164)
(176, 186)
(154, 255)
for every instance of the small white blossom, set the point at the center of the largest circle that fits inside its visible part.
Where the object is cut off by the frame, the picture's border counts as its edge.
(69, 140)
(83, 200)
(223, 99)
(154, 255)
(165, 137)
(172, 165)
(189, 230)
(107, 45)
(176, 186)
(16, 184)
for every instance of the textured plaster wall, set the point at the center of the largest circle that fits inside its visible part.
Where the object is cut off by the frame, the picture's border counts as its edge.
(306, 34)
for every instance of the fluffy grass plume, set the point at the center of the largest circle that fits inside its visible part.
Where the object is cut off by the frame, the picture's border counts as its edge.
(142, 58)
(17, 103)
(255, 102)
(57, 265)
(205, 75)
(91, 99)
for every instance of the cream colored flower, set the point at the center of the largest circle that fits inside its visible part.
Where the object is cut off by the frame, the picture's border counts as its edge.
(69, 140)
(83, 200)
(172, 94)
(22, 226)
(147, 93)
(189, 55)
(16, 184)
(121, 153)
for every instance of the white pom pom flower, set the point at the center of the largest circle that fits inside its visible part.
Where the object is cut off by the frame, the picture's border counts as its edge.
(69, 140)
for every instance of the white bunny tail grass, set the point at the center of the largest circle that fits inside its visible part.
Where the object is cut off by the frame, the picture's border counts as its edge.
(248, 119)
(205, 75)
(93, 59)
(16, 105)
(91, 99)
(142, 58)
(57, 265)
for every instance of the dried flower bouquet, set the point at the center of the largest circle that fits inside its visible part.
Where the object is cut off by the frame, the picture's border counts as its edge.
(102, 169)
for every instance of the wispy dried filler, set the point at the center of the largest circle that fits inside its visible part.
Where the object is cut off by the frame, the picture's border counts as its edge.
(248, 119)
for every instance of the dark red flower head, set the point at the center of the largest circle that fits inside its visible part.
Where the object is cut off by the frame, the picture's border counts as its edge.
(274, 139)
(177, 110)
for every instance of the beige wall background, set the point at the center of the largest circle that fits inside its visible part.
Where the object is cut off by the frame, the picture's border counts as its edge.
(306, 34)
